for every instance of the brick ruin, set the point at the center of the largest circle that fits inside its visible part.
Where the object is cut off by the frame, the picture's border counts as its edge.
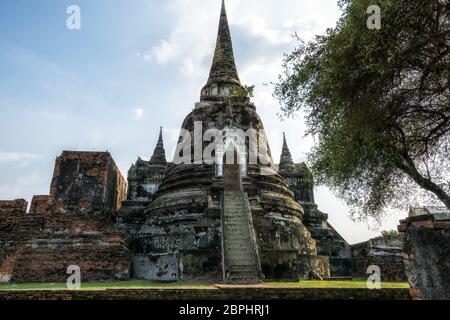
(70, 226)
(384, 252)
(176, 222)
(426, 252)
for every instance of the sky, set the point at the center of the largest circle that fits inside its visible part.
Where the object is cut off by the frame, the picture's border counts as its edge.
(136, 65)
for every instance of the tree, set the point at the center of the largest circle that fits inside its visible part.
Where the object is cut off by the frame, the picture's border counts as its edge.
(377, 102)
(245, 91)
(389, 234)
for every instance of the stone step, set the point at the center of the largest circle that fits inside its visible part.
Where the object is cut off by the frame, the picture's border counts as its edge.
(233, 224)
(242, 275)
(238, 241)
(233, 212)
(237, 246)
(239, 261)
(242, 254)
(238, 229)
(241, 264)
(243, 272)
(235, 219)
(242, 267)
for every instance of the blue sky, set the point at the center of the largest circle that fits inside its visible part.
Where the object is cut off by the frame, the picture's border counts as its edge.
(134, 66)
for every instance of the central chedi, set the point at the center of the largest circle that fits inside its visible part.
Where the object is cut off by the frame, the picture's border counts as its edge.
(222, 211)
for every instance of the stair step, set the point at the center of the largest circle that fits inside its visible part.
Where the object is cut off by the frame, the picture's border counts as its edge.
(238, 241)
(237, 247)
(238, 267)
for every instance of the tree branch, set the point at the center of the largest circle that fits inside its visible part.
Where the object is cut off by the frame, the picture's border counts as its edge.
(405, 163)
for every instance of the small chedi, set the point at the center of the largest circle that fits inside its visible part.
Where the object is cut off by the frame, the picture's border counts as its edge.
(235, 221)
(328, 241)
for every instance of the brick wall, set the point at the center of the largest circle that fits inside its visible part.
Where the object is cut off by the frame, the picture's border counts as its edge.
(386, 253)
(42, 204)
(18, 206)
(71, 226)
(40, 248)
(426, 253)
(11, 214)
(218, 293)
(87, 181)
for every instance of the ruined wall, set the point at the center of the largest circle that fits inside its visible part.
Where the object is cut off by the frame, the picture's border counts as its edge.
(385, 253)
(11, 213)
(17, 206)
(42, 204)
(59, 240)
(87, 181)
(426, 253)
(40, 248)
(71, 226)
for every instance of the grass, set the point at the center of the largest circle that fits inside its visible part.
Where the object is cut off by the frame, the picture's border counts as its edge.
(103, 285)
(356, 283)
(142, 284)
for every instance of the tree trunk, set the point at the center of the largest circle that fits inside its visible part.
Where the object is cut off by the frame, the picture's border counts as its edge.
(407, 166)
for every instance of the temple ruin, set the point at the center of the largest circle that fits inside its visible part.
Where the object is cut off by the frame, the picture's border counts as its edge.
(238, 222)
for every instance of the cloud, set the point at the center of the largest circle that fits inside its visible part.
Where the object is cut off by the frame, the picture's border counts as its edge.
(162, 53)
(138, 113)
(190, 40)
(22, 158)
(262, 31)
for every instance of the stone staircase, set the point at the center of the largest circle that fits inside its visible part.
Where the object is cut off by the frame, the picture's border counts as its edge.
(241, 260)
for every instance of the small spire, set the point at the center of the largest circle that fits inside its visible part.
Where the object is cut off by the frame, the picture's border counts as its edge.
(160, 139)
(223, 69)
(159, 154)
(286, 162)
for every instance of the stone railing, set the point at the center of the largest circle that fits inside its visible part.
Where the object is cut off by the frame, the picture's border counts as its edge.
(254, 244)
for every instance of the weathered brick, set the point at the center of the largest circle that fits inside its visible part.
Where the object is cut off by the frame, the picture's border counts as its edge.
(42, 204)
(71, 226)
(87, 181)
(426, 253)
(441, 224)
(423, 224)
(18, 206)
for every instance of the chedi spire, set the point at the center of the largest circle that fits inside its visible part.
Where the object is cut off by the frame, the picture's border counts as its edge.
(223, 75)
(159, 155)
(286, 162)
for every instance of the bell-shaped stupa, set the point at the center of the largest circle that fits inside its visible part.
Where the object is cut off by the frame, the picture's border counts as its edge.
(222, 209)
